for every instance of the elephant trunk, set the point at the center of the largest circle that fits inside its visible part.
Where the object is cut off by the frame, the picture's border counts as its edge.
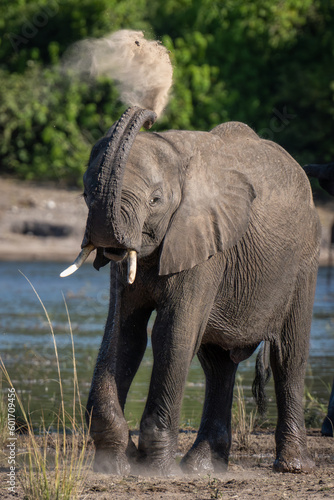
(105, 212)
(107, 200)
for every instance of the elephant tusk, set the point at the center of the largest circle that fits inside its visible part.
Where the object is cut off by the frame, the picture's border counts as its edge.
(132, 266)
(78, 261)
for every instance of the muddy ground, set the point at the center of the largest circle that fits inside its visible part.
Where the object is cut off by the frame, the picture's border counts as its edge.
(249, 475)
(24, 205)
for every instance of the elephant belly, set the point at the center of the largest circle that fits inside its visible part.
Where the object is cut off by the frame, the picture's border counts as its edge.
(232, 339)
(239, 325)
(254, 295)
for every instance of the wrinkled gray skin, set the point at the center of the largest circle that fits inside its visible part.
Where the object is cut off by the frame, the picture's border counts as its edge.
(227, 239)
(325, 174)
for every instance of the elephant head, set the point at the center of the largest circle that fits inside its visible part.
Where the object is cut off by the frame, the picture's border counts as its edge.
(165, 192)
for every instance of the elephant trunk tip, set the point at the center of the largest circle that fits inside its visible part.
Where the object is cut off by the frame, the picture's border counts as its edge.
(150, 121)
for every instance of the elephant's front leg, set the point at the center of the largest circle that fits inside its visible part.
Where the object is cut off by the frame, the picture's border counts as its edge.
(179, 326)
(160, 421)
(120, 354)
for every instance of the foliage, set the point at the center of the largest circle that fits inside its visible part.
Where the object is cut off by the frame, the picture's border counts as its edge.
(49, 135)
(42, 30)
(269, 64)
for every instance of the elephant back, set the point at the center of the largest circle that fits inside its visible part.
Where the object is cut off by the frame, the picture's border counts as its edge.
(229, 129)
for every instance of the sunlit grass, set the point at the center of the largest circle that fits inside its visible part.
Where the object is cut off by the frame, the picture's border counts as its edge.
(3, 418)
(243, 424)
(54, 464)
(314, 410)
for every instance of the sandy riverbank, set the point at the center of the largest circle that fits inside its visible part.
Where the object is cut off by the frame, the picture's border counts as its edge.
(23, 203)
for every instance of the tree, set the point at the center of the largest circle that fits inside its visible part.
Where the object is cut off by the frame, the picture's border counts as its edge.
(268, 64)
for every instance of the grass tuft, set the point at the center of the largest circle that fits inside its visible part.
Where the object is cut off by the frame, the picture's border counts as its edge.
(242, 424)
(3, 418)
(314, 410)
(52, 465)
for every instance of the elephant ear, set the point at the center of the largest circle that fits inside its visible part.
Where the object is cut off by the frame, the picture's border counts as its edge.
(213, 215)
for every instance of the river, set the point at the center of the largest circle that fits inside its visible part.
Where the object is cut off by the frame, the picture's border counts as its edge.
(27, 348)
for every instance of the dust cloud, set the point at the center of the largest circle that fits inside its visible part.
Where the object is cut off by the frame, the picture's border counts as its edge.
(140, 68)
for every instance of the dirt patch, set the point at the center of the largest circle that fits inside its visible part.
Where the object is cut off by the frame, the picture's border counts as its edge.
(24, 204)
(249, 475)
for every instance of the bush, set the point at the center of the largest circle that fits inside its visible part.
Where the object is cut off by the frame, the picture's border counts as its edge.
(49, 123)
(264, 63)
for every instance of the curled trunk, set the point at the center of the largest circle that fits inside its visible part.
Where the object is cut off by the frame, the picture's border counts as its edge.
(107, 197)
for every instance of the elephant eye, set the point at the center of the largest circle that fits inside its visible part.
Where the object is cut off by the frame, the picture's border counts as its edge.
(155, 198)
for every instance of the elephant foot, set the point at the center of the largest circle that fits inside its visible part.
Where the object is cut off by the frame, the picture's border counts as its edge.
(200, 460)
(161, 464)
(157, 468)
(157, 449)
(327, 427)
(107, 461)
(293, 464)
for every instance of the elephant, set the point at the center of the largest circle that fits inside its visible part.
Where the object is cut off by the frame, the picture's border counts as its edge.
(217, 232)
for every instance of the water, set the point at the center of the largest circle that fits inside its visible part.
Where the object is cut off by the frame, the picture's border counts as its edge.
(27, 347)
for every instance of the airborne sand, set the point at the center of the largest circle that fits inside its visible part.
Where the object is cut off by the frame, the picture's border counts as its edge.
(141, 68)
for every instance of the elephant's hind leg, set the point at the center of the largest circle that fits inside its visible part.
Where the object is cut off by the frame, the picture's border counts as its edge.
(288, 361)
(211, 449)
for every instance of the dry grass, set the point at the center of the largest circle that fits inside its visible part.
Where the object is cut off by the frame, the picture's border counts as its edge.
(314, 410)
(3, 418)
(48, 473)
(242, 424)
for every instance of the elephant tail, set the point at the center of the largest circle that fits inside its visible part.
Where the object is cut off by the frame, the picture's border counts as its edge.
(262, 376)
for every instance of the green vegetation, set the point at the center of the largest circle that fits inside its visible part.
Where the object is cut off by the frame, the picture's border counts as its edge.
(269, 64)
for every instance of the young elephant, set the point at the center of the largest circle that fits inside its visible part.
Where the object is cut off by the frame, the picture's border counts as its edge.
(227, 239)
